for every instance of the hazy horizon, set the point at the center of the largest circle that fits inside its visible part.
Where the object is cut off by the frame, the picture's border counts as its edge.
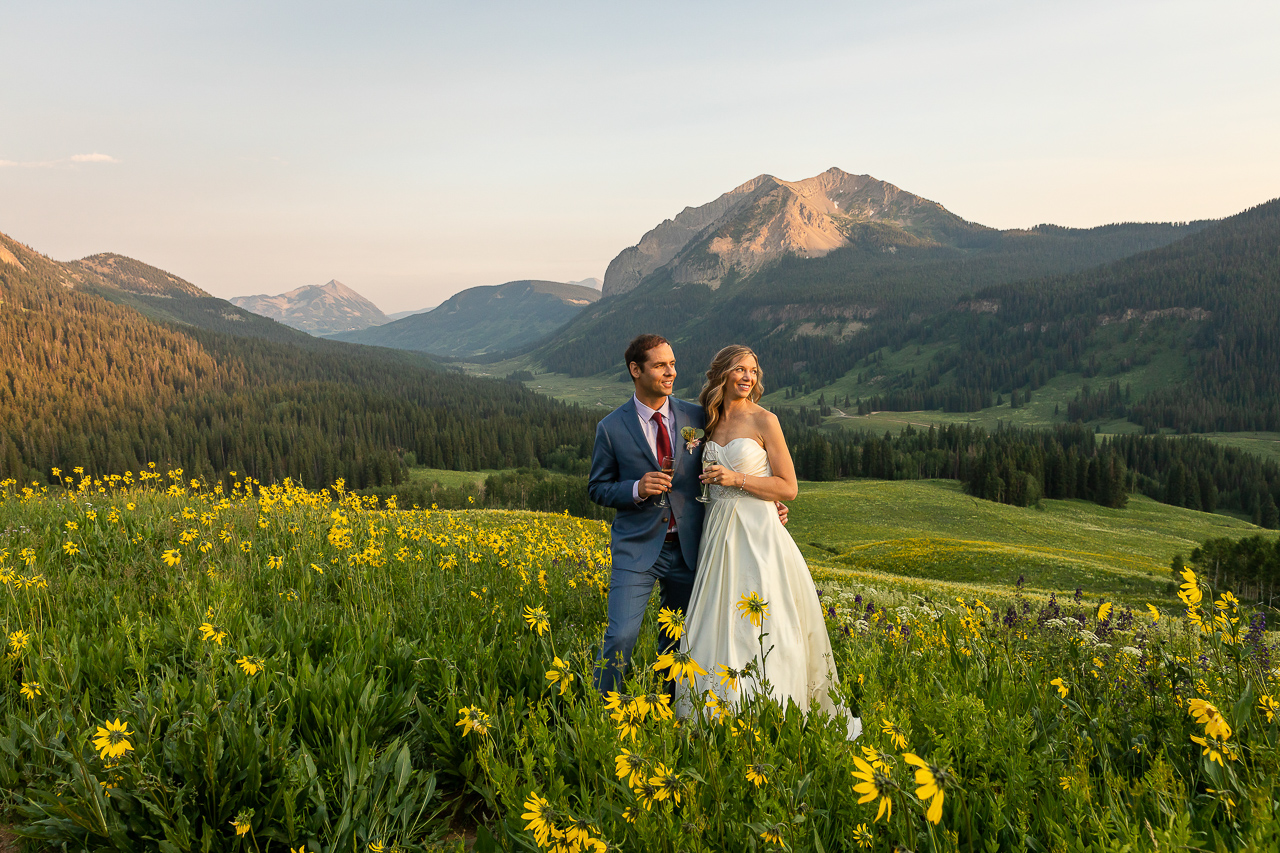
(414, 150)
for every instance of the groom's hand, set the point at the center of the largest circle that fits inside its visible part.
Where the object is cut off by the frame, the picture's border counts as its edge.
(653, 483)
(782, 511)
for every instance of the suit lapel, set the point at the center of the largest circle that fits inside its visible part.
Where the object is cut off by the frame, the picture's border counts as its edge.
(631, 419)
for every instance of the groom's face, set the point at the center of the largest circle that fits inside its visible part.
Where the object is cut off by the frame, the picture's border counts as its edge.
(657, 376)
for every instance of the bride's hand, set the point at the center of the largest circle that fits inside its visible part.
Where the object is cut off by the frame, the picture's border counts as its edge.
(718, 475)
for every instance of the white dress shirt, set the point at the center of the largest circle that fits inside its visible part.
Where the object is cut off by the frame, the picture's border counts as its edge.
(650, 430)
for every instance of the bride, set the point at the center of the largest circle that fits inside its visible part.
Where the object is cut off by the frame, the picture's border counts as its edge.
(745, 549)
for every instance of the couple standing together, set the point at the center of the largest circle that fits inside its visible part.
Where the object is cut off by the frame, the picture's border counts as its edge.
(706, 565)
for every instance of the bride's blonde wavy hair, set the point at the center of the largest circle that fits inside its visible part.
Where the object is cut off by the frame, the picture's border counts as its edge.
(712, 396)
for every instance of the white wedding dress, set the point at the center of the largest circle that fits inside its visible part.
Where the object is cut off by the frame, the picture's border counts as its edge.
(746, 549)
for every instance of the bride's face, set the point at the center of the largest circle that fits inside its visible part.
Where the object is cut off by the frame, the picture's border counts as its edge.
(741, 379)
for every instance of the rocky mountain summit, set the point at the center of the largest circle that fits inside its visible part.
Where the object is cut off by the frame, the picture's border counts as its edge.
(317, 309)
(766, 218)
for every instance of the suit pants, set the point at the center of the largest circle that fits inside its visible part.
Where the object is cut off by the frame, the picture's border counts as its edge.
(629, 592)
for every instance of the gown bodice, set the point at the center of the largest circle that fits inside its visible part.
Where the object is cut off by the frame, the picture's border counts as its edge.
(745, 456)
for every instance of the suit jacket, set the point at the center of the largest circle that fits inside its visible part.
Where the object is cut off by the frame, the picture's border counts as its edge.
(622, 456)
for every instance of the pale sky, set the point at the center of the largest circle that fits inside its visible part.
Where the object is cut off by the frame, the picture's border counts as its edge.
(414, 149)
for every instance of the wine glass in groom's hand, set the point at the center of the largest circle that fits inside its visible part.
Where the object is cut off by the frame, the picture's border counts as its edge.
(668, 468)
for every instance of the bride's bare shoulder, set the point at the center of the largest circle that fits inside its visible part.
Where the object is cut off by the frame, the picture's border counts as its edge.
(763, 417)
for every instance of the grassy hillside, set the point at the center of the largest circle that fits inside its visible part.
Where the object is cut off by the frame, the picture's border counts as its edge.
(929, 530)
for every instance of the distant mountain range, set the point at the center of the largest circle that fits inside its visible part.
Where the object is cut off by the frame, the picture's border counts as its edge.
(483, 319)
(317, 309)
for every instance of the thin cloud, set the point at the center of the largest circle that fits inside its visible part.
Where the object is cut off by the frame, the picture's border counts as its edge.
(95, 157)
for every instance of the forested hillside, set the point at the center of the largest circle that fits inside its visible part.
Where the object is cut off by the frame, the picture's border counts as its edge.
(1208, 305)
(812, 319)
(91, 383)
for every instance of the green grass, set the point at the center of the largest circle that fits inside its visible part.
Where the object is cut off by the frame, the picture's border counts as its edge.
(929, 530)
(1264, 444)
(603, 391)
(449, 479)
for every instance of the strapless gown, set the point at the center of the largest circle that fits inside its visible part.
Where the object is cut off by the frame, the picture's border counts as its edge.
(745, 549)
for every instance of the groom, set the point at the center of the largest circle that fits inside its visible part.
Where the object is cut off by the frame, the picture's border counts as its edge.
(648, 543)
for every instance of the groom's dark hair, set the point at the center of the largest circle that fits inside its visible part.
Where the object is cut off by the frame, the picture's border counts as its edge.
(638, 349)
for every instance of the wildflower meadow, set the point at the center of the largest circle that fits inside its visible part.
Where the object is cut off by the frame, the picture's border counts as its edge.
(238, 666)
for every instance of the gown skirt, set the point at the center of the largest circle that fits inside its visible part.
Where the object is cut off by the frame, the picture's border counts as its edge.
(745, 549)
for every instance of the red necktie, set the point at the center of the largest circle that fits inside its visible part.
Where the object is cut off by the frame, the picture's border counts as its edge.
(664, 450)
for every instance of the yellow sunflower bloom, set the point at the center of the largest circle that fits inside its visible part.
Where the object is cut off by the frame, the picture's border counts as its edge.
(541, 819)
(474, 720)
(560, 674)
(538, 619)
(111, 739)
(671, 622)
(874, 783)
(754, 608)
(895, 732)
(758, 774)
(931, 781)
(668, 784)
(630, 767)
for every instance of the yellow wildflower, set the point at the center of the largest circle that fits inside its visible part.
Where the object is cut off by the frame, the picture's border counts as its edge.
(110, 740)
(473, 720)
(875, 783)
(1207, 715)
(1190, 591)
(541, 819)
(560, 674)
(1063, 690)
(209, 631)
(630, 766)
(753, 608)
(251, 665)
(896, 734)
(679, 666)
(671, 622)
(932, 781)
(538, 618)
(668, 783)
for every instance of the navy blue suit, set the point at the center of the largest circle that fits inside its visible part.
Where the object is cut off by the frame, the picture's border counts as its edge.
(637, 542)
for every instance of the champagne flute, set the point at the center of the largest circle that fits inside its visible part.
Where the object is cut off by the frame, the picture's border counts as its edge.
(708, 459)
(668, 467)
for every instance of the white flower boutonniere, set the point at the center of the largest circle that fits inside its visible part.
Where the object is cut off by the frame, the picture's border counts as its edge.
(692, 438)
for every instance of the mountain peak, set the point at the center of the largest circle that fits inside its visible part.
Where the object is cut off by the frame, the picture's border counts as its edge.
(767, 217)
(319, 309)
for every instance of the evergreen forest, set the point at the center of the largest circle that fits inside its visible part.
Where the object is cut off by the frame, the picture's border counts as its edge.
(92, 383)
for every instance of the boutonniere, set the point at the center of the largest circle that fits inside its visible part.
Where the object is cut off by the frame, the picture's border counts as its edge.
(692, 438)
